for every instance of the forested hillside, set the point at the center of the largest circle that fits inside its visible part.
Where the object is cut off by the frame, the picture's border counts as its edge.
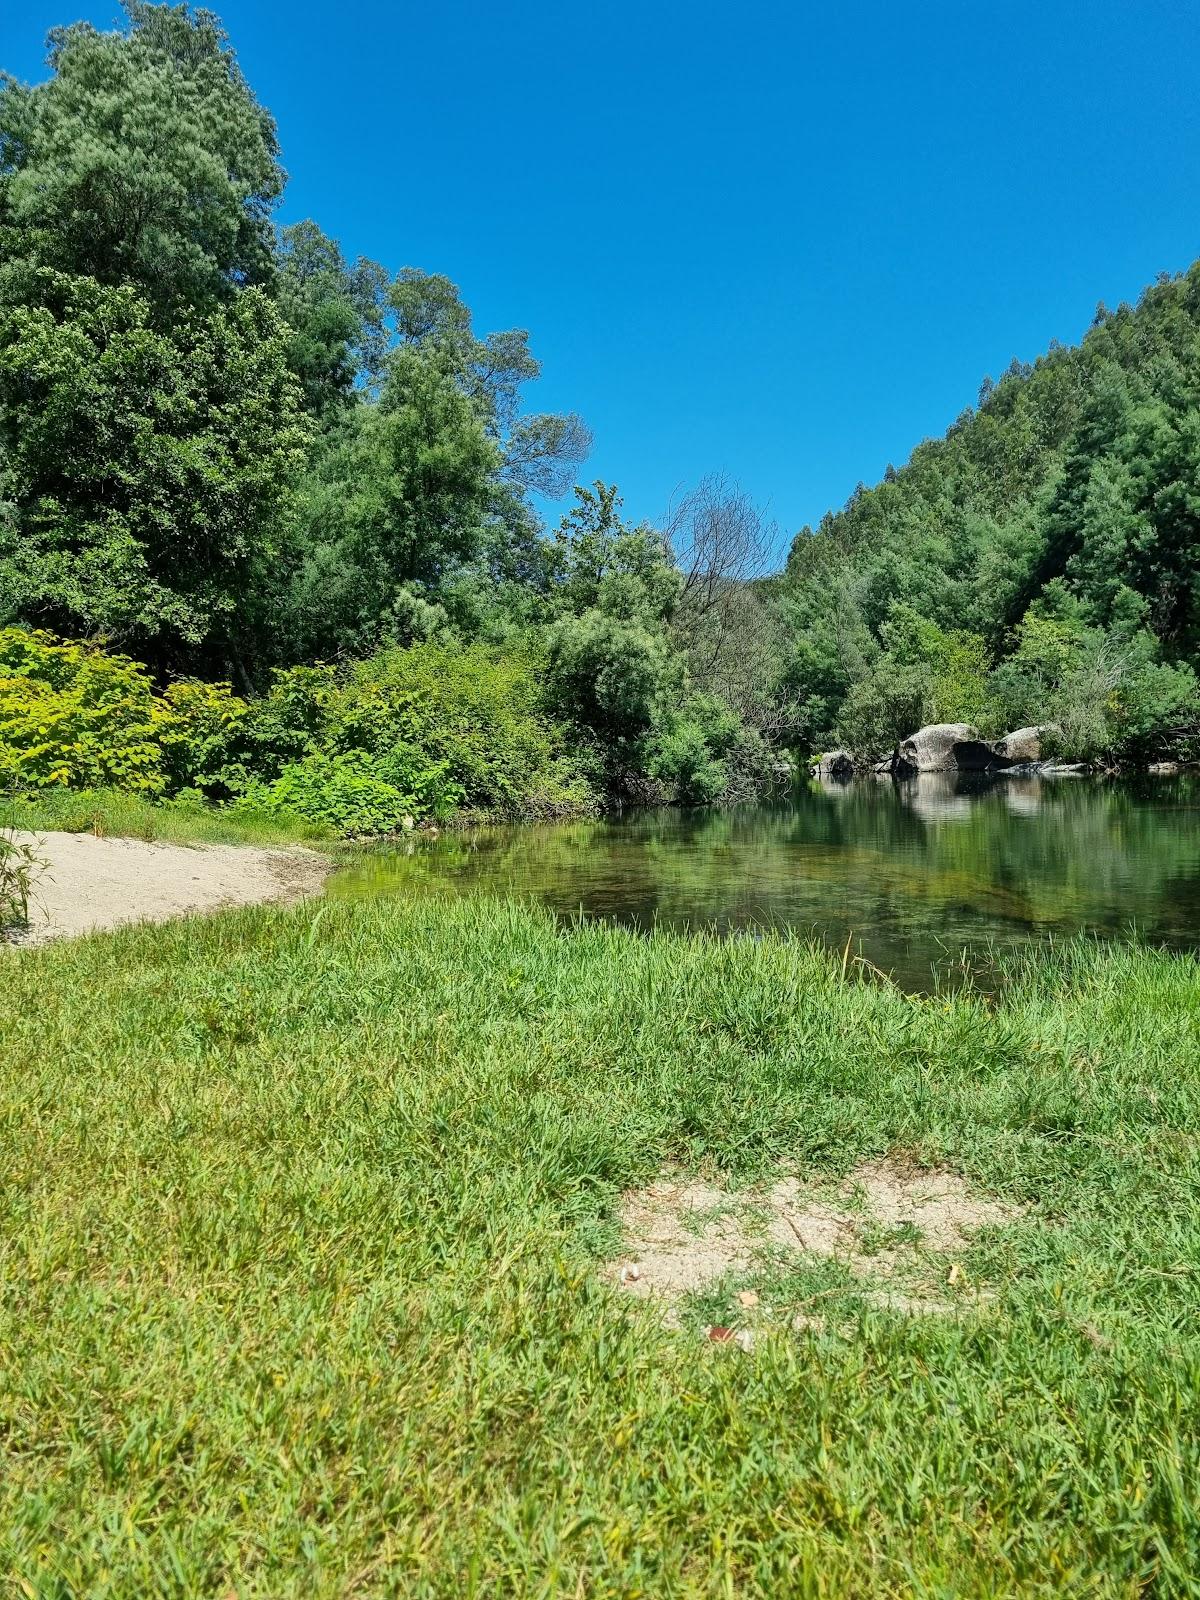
(1039, 563)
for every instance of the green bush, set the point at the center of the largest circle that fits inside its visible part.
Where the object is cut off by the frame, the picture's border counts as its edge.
(357, 793)
(1110, 695)
(692, 753)
(203, 736)
(407, 732)
(476, 712)
(74, 716)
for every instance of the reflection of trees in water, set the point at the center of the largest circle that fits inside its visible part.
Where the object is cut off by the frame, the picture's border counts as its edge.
(954, 855)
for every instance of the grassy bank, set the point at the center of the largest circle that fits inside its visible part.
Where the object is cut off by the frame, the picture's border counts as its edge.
(116, 815)
(299, 1223)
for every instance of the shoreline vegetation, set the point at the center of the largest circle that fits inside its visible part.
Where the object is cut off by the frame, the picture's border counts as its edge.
(285, 1314)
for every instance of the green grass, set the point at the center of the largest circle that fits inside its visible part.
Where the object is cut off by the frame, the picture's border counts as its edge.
(298, 1223)
(115, 814)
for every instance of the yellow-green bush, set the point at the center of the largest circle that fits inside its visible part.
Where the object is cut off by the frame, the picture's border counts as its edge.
(203, 730)
(75, 716)
(406, 732)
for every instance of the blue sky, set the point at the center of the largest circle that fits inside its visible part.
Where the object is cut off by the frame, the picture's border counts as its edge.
(781, 241)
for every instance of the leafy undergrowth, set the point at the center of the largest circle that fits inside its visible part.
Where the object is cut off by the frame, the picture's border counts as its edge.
(303, 1212)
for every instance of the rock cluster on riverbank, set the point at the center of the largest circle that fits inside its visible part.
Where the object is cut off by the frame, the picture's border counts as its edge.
(958, 747)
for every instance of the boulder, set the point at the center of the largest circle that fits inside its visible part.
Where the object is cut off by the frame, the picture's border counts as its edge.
(1023, 744)
(932, 749)
(1163, 769)
(835, 764)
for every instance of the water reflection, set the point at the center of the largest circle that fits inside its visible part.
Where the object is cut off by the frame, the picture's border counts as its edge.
(914, 872)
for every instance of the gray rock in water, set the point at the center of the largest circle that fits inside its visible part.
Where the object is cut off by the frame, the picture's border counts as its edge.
(1163, 769)
(835, 764)
(1022, 769)
(932, 749)
(1023, 744)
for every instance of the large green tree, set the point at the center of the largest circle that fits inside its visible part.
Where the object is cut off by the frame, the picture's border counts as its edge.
(149, 473)
(144, 159)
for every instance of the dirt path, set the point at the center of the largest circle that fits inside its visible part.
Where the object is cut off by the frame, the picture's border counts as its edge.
(97, 883)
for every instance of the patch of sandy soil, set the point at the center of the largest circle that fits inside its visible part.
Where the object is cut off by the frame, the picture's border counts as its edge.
(682, 1235)
(90, 883)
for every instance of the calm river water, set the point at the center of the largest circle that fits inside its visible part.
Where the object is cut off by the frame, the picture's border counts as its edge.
(915, 874)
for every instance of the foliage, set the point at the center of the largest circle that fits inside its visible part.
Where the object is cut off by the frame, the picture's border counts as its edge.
(19, 868)
(203, 734)
(144, 159)
(478, 711)
(151, 471)
(692, 750)
(405, 733)
(76, 717)
(921, 674)
(400, 492)
(1107, 693)
(353, 792)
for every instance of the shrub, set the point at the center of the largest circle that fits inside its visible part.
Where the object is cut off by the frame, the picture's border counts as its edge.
(355, 792)
(73, 715)
(475, 711)
(611, 675)
(203, 730)
(691, 753)
(406, 732)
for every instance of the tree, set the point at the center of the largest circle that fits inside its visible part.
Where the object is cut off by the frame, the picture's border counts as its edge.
(537, 452)
(613, 666)
(725, 624)
(337, 312)
(145, 159)
(400, 495)
(151, 475)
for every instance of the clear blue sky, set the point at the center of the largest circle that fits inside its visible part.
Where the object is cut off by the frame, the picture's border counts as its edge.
(778, 240)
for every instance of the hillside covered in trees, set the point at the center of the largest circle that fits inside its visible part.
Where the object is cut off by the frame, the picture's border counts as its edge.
(1040, 563)
(268, 531)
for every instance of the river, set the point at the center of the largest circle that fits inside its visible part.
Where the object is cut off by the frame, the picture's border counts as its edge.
(925, 878)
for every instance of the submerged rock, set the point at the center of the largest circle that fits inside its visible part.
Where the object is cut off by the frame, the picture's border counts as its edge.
(1163, 769)
(1022, 769)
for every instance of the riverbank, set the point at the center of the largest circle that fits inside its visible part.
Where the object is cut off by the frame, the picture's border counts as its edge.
(81, 883)
(309, 1227)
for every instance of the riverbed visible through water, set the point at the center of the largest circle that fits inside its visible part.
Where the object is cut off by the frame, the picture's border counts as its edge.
(925, 878)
